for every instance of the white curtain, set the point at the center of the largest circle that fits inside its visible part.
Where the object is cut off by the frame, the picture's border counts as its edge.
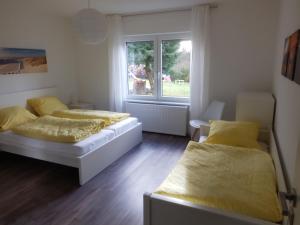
(200, 25)
(116, 56)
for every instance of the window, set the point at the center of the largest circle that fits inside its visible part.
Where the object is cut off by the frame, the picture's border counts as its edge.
(158, 67)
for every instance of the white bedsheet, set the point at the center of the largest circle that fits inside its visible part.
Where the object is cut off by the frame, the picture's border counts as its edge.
(123, 126)
(77, 149)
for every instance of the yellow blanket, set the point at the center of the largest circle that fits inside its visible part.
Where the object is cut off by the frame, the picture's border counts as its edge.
(235, 179)
(60, 129)
(109, 117)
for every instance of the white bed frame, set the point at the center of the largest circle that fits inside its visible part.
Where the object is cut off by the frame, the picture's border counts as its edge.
(163, 210)
(90, 164)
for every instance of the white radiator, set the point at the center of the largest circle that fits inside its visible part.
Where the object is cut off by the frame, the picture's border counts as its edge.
(167, 119)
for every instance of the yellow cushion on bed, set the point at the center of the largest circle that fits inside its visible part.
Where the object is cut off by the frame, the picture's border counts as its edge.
(14, 116)
(234, 133)
(46, 105)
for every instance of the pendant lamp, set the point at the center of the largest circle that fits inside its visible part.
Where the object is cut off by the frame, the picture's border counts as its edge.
(90, 25)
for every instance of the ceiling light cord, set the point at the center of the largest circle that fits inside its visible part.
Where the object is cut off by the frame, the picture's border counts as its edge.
(89, 4)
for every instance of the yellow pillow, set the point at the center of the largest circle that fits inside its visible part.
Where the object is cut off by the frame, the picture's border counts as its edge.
(46, 105)
(235, 133)
(14, 116)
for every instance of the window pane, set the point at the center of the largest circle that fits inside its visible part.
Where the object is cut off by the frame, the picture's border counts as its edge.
(176, 55)
(140, 68)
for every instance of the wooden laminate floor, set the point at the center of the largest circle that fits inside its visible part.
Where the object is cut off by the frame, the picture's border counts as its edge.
(41, 193)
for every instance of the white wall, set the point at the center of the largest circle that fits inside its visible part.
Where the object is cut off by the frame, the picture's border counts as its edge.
(287, 93)
(242, 49)
(22, 26)
(92, 69)
(243, 39)
(92, 60)
(177, 21)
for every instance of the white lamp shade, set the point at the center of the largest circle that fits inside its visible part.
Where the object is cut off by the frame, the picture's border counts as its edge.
(90, 25)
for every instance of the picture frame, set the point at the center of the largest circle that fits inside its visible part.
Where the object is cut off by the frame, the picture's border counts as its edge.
(292, 54)
(22, 61)
(285, 57)
(297, 67)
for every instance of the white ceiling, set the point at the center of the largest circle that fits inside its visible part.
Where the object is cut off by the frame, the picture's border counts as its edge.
(70, 7)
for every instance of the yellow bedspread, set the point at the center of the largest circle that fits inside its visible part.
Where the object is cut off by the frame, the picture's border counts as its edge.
(109, 117)
(235, 179)
(60, 129)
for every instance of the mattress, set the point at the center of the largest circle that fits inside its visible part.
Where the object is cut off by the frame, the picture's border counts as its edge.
(77, 149)
(123, 126)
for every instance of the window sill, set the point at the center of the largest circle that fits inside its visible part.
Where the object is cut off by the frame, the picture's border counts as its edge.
(158, 102)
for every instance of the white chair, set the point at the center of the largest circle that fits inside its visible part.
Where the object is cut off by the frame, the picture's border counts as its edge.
(213, 112)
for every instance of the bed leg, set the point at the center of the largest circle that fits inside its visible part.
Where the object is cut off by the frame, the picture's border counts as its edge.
(82, 179)
(147, 209)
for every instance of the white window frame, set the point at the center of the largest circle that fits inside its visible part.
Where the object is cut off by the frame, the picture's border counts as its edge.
(157, 39)
(135, 38)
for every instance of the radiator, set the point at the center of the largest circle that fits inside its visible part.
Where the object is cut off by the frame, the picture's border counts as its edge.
(167, 119)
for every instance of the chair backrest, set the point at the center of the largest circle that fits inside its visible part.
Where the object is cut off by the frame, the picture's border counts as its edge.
(214, 111)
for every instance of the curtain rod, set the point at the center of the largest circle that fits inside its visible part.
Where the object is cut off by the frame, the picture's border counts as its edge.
(211, 5)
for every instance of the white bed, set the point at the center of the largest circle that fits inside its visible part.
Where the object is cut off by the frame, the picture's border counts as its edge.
(163, 210)
(74, 149)
(77, 149)
(90, 156)
(123, 126)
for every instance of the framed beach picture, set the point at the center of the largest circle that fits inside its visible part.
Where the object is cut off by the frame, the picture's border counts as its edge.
(19, 61)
